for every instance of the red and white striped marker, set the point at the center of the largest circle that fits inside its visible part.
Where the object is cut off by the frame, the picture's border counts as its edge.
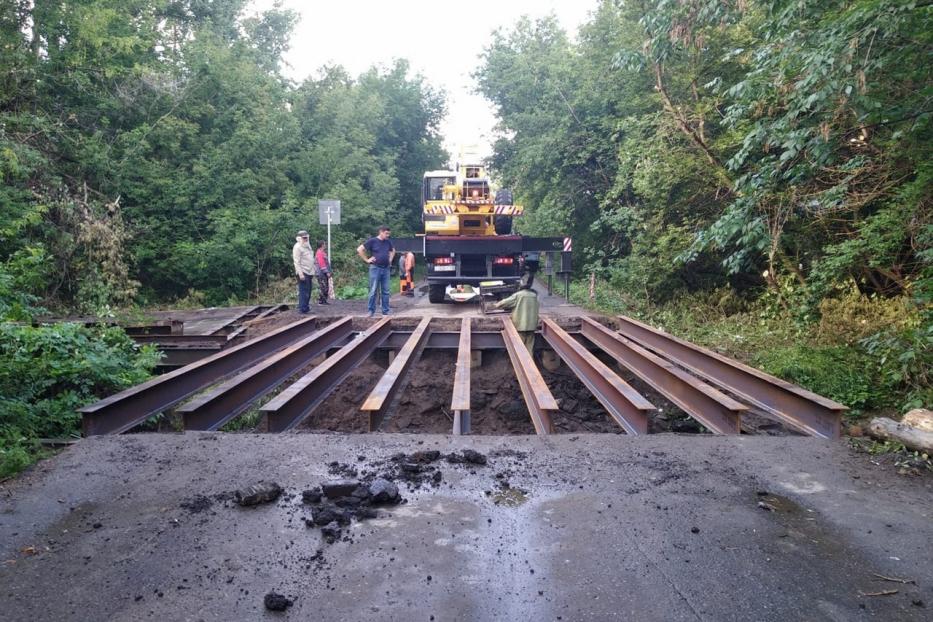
(568, 245)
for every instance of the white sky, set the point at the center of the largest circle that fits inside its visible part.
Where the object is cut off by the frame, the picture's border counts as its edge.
(359, 34)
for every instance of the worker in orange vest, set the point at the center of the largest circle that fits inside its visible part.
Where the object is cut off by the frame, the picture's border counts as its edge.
(406, 270)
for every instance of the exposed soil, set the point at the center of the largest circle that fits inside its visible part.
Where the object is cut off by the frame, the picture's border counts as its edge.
(424, 404)
(340, 412)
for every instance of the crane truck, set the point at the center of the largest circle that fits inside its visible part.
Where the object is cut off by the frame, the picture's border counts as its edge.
(468, 244)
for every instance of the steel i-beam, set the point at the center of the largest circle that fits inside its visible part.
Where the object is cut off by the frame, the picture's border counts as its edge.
(541, 404)
(460, 402)
(125, 409)
(622, 402)
(715, 410)
(799, 408)
(210, 411)
(292, 405)
(394, 378)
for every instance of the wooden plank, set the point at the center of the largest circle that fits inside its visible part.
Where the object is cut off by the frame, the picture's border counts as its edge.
(380, 398)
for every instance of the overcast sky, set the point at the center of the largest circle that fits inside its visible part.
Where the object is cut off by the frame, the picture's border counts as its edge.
(358, 34)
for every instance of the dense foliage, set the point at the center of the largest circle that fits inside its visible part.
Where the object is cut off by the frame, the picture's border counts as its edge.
(47, 372)
(772, 153)
(151, 150)
(152, 147)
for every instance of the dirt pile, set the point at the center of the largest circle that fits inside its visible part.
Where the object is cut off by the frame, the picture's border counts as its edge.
(277, 602)
(335, 505)
(257, 494)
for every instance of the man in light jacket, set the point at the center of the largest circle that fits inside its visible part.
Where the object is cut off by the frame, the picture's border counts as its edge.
(303, 258)
(524, 306)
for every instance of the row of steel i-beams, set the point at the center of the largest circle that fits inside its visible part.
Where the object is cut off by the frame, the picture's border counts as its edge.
(713, 389)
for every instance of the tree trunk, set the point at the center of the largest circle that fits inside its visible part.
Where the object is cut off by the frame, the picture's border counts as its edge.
(889, 430)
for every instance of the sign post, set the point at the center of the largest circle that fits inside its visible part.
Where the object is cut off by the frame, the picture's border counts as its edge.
(329, 214)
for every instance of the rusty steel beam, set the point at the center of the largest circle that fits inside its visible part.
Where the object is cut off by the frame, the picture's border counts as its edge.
(447, 340)
(541, 404)
(291, 406)
(808, 412)
(394, 378)
(247, 314)
(460, 401)
(163, 327)
(622, 402)
(223, 403)
(173, 358)
(182, 340)
(125, 409)
(715, 410)
(268, 312)
(450, 340)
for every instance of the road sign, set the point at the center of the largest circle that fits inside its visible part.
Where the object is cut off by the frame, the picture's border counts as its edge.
(329, 211)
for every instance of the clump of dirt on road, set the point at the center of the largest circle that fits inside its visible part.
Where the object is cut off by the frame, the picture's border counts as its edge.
(257, 494)
(277, 602)
(335, 504)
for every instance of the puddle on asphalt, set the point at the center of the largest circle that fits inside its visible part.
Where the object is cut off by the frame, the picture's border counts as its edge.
(777, 503)
(509, 497)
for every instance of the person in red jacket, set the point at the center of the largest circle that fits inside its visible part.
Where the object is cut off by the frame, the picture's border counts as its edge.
(322, 269)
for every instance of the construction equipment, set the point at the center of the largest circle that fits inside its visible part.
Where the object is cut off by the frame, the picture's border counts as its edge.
(468, 244)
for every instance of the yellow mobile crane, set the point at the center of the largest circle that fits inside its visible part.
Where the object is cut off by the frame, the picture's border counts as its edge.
(468, 244)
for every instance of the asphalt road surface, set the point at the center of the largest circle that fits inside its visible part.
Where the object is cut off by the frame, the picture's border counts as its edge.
(584, 527)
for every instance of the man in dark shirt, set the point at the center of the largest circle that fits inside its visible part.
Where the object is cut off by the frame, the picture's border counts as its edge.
(381, 253)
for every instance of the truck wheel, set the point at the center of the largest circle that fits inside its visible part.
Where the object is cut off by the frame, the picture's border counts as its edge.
(503, 197)
(436, 294)
(503, 225)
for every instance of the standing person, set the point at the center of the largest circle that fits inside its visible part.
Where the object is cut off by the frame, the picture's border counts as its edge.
(524, 305)
(381, 253)
(322, 269)
(303, 258)
(406, 269)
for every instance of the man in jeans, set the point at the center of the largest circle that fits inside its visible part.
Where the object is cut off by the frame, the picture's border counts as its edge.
(303, 258)
(381, 253)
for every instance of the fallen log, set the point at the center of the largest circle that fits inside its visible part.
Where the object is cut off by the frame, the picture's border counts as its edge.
(886, 429)
(919, 418)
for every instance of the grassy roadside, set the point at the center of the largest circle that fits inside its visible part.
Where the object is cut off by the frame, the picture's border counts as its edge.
(874, 356)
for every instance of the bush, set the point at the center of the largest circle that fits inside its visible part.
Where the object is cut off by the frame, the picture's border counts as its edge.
(854, 316)
(48, 372)
(841, 373)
